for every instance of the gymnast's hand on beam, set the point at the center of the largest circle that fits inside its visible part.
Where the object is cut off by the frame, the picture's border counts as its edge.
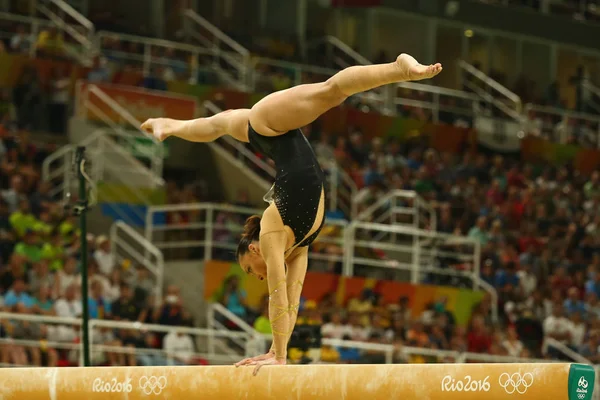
(269, 361)
(254, 360)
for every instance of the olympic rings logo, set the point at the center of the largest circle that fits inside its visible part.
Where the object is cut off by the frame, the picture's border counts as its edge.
(152, 384)
(516, 382)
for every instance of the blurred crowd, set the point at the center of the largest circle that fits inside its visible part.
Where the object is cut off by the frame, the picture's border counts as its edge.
(539, 231)
(581, 10)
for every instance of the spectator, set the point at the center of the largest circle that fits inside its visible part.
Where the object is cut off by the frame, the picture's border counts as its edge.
(335, 329)
(39, 276)
(179, 348)
(234, 298)
(50, 43)
(125, 307)
(103, 256)
(69, 306)
(99, 72)
(479, 231)
(99, 306)
(66, 277)
(29, 248)
(22, 220)
(60, 84)
(479, 338)
(21, 41)
(262, 323)
(512, 345)
(557, 327)
(573, 303)
(42, 303)
(53, 251)
(18, 295)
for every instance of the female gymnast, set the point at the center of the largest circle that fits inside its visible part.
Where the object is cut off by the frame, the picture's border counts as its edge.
(275, 247)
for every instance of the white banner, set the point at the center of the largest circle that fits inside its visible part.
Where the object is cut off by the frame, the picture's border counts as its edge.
(498, 134)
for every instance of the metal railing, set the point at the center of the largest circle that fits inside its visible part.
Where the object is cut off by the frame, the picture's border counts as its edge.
(71, 22)
(106, 162)
(58, 338)
(562, 126)
(389, 351)
(401, 251)
(127, 128)
(179, 58)
(128, 244)
(399, 206)
(594, 96)
(229, 58)
(492, 92)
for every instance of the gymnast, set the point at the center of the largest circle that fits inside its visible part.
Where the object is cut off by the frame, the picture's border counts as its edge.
(275, 246)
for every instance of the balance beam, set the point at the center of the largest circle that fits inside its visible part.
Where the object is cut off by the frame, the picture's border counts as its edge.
(558, 381)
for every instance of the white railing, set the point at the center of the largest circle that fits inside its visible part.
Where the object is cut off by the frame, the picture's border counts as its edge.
(87, 95)
(388, 350)
(566, 126)
(594, 95)
(437, 100)
(71, 22)
(491, 91)
(399, 206)
(180, 58)
(57, 327)
(127, 244)
(229, 58)
(410, 252)
(105, 162)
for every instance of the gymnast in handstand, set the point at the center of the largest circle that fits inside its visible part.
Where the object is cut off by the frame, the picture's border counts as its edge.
(294, 217)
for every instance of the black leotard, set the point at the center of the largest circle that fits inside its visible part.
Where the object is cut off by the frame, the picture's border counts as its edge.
(298, 182)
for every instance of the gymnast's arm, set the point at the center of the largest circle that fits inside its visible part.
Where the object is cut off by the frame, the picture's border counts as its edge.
(295, 279)
(230, 122)
(272, 246)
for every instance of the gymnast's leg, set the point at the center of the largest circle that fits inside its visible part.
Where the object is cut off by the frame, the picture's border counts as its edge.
(296, 107)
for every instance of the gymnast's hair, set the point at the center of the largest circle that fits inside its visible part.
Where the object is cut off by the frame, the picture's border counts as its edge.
(251, 233)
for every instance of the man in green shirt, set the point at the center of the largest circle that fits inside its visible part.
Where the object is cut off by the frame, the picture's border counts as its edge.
(29, 247)
(22, 219)
(54, 251)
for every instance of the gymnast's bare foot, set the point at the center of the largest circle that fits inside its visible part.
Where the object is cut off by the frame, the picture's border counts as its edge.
(413, 71)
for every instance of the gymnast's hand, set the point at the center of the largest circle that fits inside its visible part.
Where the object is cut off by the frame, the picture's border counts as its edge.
(254, 360)
(269, 361)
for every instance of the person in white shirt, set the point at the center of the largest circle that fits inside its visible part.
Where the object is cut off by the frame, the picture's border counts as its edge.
(179, 348)
(335, 329)
(358, 331)
(105, 260)
(512, 344)
(577, 330)
(556, 326)
(68, 306)
(527, 280)
(66, 277)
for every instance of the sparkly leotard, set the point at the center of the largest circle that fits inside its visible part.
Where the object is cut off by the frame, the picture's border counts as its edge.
(298, 182)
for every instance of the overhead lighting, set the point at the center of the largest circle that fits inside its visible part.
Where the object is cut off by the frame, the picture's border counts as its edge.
(468, 33)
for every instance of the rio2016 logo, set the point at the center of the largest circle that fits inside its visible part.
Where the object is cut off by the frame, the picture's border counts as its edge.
(112, 386)
(467, 384)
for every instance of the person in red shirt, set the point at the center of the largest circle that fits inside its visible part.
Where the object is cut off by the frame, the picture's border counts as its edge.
(479, 339)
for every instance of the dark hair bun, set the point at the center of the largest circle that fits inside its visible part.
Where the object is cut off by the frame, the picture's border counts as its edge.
(252, 228)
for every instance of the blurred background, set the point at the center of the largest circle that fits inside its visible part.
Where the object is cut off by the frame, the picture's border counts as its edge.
(463, 213)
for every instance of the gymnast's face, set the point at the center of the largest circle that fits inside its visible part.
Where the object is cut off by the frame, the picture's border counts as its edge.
(253, 263)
